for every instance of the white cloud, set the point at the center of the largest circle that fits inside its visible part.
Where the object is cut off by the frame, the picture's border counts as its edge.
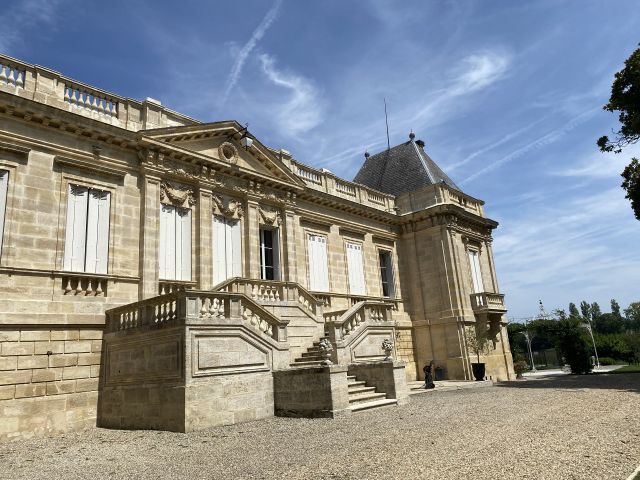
(303, 109)
(536, 144)
(241, 58)
(478, 71)
(23, 15)
(601, 165)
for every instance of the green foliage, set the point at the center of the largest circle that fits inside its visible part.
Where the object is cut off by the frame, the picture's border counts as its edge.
(478, 340)
(625, 98)
(573, 310)
(608, 361)
(608, 323)
(633, 317)
(595, 310)
(615, 308)
(585, 309)
(574, 345)
(520, 367)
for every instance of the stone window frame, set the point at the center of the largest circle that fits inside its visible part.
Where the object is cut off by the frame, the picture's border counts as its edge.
(353, 240)
(9, 213)
(394, 270)
(111, 187)
(474, 245)
(314, 231)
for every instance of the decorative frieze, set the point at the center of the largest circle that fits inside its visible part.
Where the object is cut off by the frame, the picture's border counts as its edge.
(271, 195)
(270, 216)
(227, 206)
(176, 195)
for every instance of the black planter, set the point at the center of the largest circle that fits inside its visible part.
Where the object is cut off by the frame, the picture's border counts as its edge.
(478, 371)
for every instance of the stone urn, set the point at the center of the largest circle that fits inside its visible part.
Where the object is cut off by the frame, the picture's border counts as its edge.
(325, 348)
(478, 371)
(387, 346)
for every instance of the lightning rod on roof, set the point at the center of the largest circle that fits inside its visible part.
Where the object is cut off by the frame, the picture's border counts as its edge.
(386, 120)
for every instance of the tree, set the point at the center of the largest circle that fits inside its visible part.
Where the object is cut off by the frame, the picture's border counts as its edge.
(615, 308)
(633, 316)
(585, 309)
(573, 344)
(478, 340)
(595, 311)
(573, 311)
(625, 98)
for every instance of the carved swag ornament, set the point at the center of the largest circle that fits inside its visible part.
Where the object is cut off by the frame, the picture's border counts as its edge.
(227, 207)
(270, 216)
(177, 195)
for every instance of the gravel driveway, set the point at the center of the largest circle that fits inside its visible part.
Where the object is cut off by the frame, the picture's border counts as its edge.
(564, 427)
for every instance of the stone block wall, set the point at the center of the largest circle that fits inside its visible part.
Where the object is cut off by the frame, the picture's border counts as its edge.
(48, 380)
(311, 392)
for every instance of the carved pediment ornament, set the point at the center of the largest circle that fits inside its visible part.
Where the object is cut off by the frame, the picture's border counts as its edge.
(228, 152)
(270, 216)
(227, 207)
(255, 188)
(177, 195)
(171, 166)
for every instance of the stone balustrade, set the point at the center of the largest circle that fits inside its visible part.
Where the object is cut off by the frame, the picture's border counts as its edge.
(84, 285)
(435, 195)
(171, 286)
(325, 181)
(340, 324)
(272, 291)
(488, 301)
(194, 307)
(51, 88)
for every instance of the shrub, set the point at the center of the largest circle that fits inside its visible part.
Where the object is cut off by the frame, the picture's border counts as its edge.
(574, 346)
(520, 367)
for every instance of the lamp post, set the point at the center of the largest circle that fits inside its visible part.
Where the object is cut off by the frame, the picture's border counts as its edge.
(593, 341)
(528, 339)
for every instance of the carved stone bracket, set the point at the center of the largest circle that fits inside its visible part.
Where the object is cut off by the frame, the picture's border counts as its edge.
(275, 196)
(227, 207)
(177, 195)
(270, 216)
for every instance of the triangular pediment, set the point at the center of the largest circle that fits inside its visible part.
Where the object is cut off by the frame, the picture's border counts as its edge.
(219, 142)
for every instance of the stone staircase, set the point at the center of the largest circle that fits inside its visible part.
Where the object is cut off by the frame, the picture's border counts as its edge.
(363, 397)
(310, 358)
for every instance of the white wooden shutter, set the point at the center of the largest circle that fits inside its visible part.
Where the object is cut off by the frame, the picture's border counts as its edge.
(167, 242)
(183, 244)
(476, 274)
(4, 182)
(236, 249)
(356, 268)
(75, 235)
(275, 235)
(318, 268)
(219, 250)
(97, 245)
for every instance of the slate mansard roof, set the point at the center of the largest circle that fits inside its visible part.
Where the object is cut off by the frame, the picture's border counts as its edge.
(400, 169)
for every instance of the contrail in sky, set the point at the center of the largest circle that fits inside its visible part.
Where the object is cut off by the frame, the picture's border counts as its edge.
(257, 35)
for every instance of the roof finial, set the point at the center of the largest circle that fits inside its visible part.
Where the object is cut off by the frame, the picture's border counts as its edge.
(412, 135)
(366, 154)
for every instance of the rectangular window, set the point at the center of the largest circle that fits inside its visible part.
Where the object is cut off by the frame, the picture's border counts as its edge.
(386, 274)
(227, 249)
(318, 264)
(4, 182)
(270, 254)
(175, 243)
(355, 266)
(86, 247)
(476, 274)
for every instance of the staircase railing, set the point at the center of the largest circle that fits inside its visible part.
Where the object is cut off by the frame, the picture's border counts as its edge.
(193, 307)
(272, 291)
(341, 325)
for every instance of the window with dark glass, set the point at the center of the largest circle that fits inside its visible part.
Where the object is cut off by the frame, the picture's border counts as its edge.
(386, 274)
(269, 255)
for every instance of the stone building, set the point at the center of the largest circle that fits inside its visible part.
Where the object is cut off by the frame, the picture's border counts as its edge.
(160, 272)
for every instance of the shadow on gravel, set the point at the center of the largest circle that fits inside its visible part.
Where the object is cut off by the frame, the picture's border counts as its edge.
(625, 382)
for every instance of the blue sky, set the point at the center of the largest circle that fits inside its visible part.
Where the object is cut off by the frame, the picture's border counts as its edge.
(507, 96)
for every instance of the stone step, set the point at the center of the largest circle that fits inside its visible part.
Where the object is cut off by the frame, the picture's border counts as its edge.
(314, 363)
(351, 377)
(312, 353)
(305, 358)
(355, 383)
(366, 397)
(386, 402)
(360, 389)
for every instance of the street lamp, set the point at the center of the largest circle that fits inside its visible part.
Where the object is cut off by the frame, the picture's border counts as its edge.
(593, 341)
(528, 339)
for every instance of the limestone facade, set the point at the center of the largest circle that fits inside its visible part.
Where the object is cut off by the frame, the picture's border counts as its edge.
(162, 192)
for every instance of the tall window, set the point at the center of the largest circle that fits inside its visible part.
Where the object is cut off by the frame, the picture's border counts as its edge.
(386, 274)
(356, 268)
(476, 274)
(4, 182)
(227, 249)
(270, 254)
(318, 264)
(175, 243)
(86, 247)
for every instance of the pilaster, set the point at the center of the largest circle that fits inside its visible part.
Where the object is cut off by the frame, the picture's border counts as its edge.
(252, 240)
(288, 235)
(149, 246)
(204, 241)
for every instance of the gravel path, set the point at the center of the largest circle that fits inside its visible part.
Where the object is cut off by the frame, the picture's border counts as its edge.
(560, 428)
